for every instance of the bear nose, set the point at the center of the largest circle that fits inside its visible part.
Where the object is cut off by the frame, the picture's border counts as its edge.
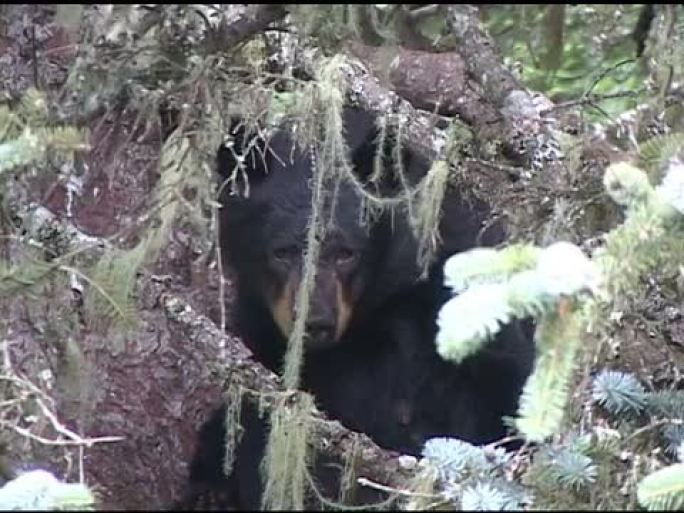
(320, 331)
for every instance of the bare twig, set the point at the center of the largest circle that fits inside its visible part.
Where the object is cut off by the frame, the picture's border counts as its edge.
(592, 100)
(603, 74)
(49, 441)
(653, 425)
(364, 481)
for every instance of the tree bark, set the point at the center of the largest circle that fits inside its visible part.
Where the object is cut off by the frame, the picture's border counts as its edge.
(249, 21)
(527, 133)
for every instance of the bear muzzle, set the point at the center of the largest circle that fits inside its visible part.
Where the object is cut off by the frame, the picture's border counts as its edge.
(329, 311)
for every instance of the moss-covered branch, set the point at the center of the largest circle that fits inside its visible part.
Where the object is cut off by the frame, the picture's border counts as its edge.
(251, 20)
(332, 440)
(527, 131)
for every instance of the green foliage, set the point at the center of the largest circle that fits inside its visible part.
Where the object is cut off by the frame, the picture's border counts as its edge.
(519, 282)
(573, 469)
(523, 281)
(627, 185)
(566, 467)
(375, 24)
(663, 489)
(674, 436)
(471, 477)
(27, 137)
(545, 394)
(112, 281)
(551, 289)
(331, 23)
(480, 312)
(485, 497)
(655, 152)
(454, 458)
(23, 278)
(619, 392)
(648, 236)
(588, 49)
(671, 191)
(502, 285)
(39, 490)
(486, 265)
(32, 146)
(667, 403)
(567, 51)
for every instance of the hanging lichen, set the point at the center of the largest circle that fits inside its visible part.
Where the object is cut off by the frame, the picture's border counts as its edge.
(320, 129)
(285, 463)
(348, 477)
(232, 425)
(287, 453)
(427, 215)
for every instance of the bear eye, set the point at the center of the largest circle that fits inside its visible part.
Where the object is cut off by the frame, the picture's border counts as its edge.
(285, 254)
(345, 256)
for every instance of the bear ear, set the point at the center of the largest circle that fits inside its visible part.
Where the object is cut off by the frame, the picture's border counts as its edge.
(359, 128)
(363, 140)
(244, 145)
(361, 135)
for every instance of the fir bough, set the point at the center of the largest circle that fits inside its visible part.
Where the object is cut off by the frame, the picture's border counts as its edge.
(454, 458)
(112, 281)
(523, 281)
(487, 265)
(494, 287)
(619, 392)
(471, 477)
(563, 474)
(27, 137)
(484, 496)
(546, 392)
(651, 236)
(573, 469)
(663, 489)
(658, 150)
(666, 403)
(39, 490)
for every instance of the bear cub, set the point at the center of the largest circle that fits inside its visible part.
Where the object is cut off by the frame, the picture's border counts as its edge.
(370, 356)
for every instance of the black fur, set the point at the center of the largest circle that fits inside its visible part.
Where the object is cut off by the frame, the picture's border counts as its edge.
(383, 377)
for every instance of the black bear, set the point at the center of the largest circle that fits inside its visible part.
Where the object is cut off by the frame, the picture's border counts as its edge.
(370, 357)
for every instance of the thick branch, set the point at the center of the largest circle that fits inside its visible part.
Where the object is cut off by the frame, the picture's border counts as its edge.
(251, 20)
(334, 439)
(420, 131)
(480, 54)
(435, 82)
(520, 109)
